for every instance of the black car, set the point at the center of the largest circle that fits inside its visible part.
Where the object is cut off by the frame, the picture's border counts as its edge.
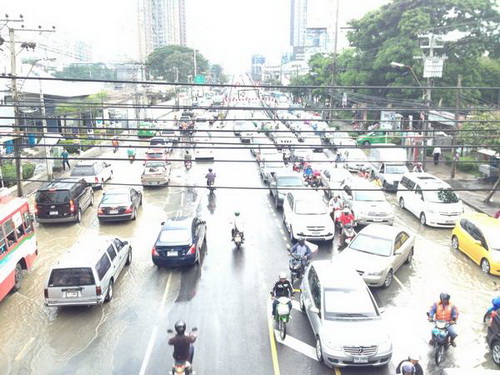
(63, 200)
(180, 242)
(493, 337)
(119, 204)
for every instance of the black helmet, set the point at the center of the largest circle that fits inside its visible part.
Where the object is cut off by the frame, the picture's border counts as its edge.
(444, 297)
(180, 327)
(210, 169)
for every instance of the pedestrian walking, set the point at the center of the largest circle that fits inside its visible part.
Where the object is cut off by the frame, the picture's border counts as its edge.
(65, 159)
(436, 153)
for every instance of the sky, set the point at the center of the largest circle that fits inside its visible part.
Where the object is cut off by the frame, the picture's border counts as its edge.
(227, 32)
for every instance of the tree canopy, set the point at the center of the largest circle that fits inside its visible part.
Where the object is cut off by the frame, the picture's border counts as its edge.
(87, 71)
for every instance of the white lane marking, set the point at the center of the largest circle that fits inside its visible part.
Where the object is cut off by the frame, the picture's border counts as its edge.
(24, 349)
(149, 350)
(164, 297)
(296, 345)
(400, 283)
(296, 305)
(182, 199)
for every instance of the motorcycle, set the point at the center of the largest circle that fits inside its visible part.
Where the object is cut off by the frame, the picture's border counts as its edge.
(131, 158)
(440, 339)
(238, 238)
(210, 186)
(182, 367)
(296, 267)
(493, 309)
(348, 234)
(282, 316)
(187, 164)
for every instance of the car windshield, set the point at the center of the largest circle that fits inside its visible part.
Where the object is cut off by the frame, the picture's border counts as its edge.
(154, 164)
(348, 303)
(369, 196)
(306, 207)
(441, 196)
(289, 181)
(177, 236)
(62, 277)
(114, 198)
(155, 155)
(83, 170)
(396, 169)
(372, 245)
(53, 197)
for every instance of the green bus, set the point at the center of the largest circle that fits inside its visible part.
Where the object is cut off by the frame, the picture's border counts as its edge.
(146, 130)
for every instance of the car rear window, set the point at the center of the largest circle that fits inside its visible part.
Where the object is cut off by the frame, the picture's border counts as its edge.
(83, 170)
(348, 303)
(61, 277)
(290, 181)
(53, 197)
(115, 198)
(154, 142)
(181, 236)
(156, 155)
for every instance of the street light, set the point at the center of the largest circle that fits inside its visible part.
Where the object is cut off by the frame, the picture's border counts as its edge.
(399, 65)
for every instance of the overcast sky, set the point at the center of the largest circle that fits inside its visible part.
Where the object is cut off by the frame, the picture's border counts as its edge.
(227, 32)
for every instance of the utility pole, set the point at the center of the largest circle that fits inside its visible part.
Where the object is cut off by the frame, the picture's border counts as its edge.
(334, 62)
(457, 118)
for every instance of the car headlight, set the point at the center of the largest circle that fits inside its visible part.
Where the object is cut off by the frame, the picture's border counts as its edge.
(334, 345)
(375, 273)
(431, 211)
(386, 345)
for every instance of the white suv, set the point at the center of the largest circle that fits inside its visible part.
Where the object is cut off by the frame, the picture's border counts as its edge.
(306, 215)
(95, 173)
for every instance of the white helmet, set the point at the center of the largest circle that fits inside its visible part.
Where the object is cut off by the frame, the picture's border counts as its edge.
(282, 275)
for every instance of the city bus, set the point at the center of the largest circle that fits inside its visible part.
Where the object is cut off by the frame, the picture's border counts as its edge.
(18, 246)
(146, 130)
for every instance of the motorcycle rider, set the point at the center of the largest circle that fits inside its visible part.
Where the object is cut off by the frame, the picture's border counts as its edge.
(182, 343)
(418, 168)
(345, 218)
(336, 206)
(445, 310)
(282, 288)
(413, 358)
(301, 251)
(130, 152)
(238, 226)
(407, 368)
(187, 158)
(210, 176)
(115, 143)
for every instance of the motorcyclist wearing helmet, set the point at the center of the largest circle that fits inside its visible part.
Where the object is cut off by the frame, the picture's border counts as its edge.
(130, 151)
(182, 343)
(346, 217)
(407, 368)
(238, 225)
(446, 311)
(418, 168)
(187, 156)
(282, 288)
(413, 358)
(301, 251)
(336, 206)
(210, 176)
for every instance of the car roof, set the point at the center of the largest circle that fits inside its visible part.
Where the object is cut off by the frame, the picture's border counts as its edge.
(178, 222)
(84, 254)
(383, 231)
(87, 163)
(485, 222)
(335, 273)
(61, 184)
(117, 190)
(287, 173)
(306, 195)
(360, 182)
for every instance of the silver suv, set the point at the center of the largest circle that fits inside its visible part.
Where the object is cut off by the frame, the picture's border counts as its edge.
(344, 316)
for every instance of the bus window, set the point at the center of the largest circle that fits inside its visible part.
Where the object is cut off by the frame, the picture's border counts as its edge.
(3, 248)
(9, 230)
(28, 222)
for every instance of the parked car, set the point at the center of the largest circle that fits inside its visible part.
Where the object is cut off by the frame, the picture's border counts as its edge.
(430, 199)
(96, 173)
(63, 200)
(306, 215)
(180, 242)
(280, 182)
(344, 316)
(155, 172)
(476, 235)
(378, 251)
(334, 180)
(86, 275)
(493, 338)
(368, 203)
(119, 204)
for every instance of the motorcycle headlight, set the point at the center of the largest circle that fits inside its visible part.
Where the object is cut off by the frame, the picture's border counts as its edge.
(386, 345)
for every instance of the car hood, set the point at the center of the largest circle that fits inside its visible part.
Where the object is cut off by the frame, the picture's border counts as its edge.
(373, 206)
(355, 332)
(364, 261)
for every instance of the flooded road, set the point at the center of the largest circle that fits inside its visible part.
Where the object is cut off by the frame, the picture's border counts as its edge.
(227, 295)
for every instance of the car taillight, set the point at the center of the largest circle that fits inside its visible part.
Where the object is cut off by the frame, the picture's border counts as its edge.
(154, 252)
(191, 250)
(128, 210)
(46, 293)
(98, 290)
(100, 211)
(72, 206)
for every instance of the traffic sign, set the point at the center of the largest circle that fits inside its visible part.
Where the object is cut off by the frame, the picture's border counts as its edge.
(199, 79)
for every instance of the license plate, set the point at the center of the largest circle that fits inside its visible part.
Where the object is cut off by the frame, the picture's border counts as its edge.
(360, 359)
(72, 294)
(172, 253)
(54, 213)
(113, 211)
(377, 219)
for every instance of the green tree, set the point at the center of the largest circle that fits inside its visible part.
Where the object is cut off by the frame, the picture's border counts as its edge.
(87, 71)
(175, 63)
(482, 129)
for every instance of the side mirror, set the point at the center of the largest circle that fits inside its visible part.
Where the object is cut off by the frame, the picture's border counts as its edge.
(381, 310)
(315, 310)
(162, 223)
(194, 329)
(125, 243)
(170, 331)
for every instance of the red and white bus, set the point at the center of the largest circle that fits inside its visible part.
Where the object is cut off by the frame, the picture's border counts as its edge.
(18, 246)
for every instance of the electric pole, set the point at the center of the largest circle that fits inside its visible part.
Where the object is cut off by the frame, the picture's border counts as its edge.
(457, 118)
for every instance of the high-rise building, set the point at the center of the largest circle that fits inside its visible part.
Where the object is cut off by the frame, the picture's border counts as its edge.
(161, 22)
(298, 22)
(258, 62)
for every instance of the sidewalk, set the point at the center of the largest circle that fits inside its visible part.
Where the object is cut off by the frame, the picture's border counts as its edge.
(464, 182)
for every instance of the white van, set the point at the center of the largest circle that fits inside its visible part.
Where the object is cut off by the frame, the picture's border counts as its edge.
(306, 215)
(86, 274)
(389, 164)
(430, 199)
(203, 146)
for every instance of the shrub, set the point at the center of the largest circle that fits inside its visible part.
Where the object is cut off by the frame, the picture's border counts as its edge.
(70, 145)
(468, 164)
(9, 173)
(28, 170)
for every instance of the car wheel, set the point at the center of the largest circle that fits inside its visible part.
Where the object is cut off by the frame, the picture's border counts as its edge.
(129, 257)
(302, 304)
(423, 219)
(366, 143)
(495, 352)
(135, 214)
(388, 279)
(410, 256)
(91, 204)
(18, 278)
(485, 265)
(140, 201)
(102, 184)
(319, 350)
(454, 243)
(78, 216)
(401, 203)
(109, 295)
(385, 186)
